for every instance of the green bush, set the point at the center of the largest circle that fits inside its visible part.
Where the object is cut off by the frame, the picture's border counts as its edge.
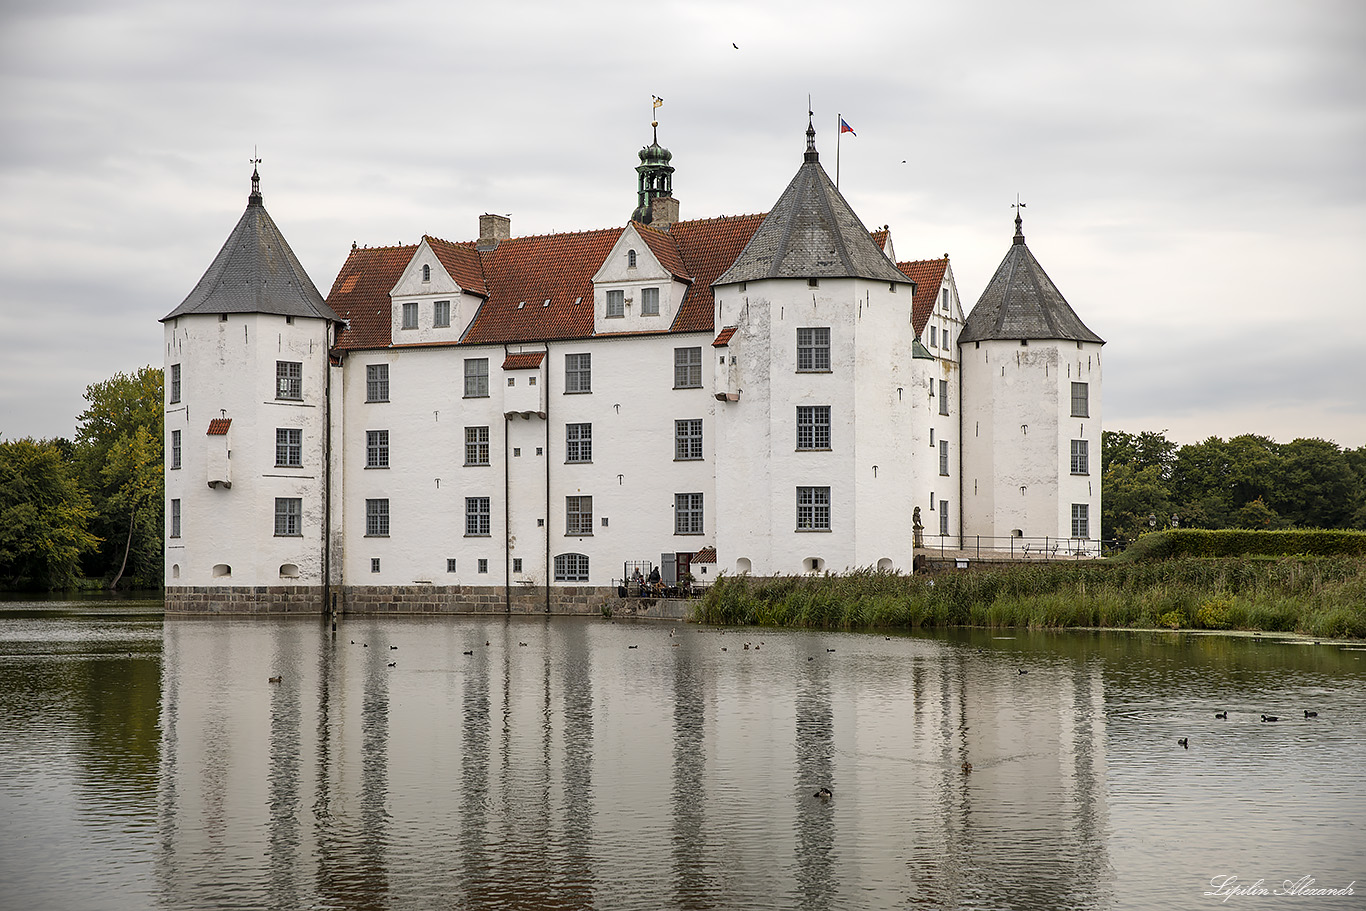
(1215, 613)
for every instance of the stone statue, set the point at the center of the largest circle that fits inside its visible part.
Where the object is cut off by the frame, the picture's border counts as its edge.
(918, 530)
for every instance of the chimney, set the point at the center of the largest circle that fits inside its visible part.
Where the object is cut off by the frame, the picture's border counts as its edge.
(492, 229)
(663, 212)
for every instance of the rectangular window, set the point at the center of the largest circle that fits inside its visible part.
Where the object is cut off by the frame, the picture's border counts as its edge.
(377, 382)
(289, 447)
(410, 315)
(944, 517)
(1081, 520)
(944, 304)
(377, 519)
(688, 440)
(450, 564)
(931, 437)
(934, 337)
(578, 442)
(944, 457)
(175, 449)
(175, 382)
(1081, 403)
(813, 508)
(441, 315)
(175, 518)
(483, 564)
(687, 514)
(288, 512)
(616, 304)
(289, 380)
(516, 564)
(374, 564)
(578, 373)
(813, 426)
(476, 377)
(813, 350)
(578, 515)
(571, 568)
(1081, 457)
(376, 449)
(649, 302)
(687, 368)
(943, 396)
(477, 517)
(476, 445)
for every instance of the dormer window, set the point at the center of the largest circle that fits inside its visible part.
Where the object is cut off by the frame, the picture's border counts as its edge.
(630, 259)
(426, 273)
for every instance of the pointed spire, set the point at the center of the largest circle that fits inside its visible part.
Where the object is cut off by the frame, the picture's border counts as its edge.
(811, 153)
(255, 198)
(1019, 222)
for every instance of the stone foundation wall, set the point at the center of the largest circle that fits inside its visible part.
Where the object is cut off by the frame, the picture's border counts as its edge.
(244, 599)
(387, 599)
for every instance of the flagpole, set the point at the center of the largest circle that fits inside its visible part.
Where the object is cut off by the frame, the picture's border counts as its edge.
(839, 120)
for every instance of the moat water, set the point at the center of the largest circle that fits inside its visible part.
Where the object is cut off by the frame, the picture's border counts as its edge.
(572, 763)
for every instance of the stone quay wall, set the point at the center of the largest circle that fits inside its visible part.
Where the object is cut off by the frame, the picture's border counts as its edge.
(388, 599)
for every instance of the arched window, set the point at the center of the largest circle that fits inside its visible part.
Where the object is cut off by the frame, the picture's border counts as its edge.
(221, 569)
(571, 568)
(426, 273)
(175, 570)
(813, 564)
(742, 565)
(631, 259)
(289, 570)
(884, 565)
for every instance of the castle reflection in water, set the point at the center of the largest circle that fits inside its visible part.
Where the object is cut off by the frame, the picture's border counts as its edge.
(574, 763)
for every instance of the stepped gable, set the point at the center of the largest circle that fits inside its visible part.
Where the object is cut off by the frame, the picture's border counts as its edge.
(928, 275)
(461, 261)
(361, 294)
(1021, 302)
(708, 247)
(523, 273)
(811, 233)
(255, 272)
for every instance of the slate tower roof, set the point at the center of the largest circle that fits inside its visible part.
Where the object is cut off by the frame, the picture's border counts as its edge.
(255, 272)
(811, 232)
(1021, 302)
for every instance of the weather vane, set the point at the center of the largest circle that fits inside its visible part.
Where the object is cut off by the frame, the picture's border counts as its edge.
(657, 102)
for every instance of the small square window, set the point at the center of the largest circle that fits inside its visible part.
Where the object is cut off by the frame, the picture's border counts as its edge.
(476, 377)
(687, 368)
(374, 564)
(516, 564)
(531, 381)
(516, 452)
(483, 564)
(450, 564)
(604, 521)
(540, 523)
(512, 381)
(289, 380)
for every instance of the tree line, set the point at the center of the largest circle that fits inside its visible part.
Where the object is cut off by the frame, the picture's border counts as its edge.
(1247, 481)
(88, 509)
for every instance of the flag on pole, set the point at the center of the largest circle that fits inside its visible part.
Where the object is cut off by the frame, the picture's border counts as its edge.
(846, 128)
(658, 100)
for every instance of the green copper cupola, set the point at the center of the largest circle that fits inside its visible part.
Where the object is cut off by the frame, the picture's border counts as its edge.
(654, 178)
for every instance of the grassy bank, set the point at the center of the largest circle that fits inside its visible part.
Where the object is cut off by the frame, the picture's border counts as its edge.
(1316, 596)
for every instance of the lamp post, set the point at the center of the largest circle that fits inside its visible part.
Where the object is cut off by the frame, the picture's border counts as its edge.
(1152, 520)
(1175, 522)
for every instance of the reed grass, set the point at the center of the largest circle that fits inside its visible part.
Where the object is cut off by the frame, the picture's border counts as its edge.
(1323, 597)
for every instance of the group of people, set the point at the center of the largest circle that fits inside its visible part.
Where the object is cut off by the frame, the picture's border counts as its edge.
(651, 585)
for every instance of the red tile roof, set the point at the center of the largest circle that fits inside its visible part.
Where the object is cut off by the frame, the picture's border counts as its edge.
(665, 248)
(928, 275)
(705, 555)
(708, 247)
(724, 337)
(462, 262)
(880, 237)
(218, 427)
(528, 360)
(361, 294)
(537, 288)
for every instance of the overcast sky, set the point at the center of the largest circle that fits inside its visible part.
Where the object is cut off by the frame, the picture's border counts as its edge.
(1194, 172)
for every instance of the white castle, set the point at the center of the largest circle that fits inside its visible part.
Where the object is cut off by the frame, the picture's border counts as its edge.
(512, 422)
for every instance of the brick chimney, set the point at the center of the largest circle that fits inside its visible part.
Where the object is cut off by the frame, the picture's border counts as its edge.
(492, 229)
(663, 212)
